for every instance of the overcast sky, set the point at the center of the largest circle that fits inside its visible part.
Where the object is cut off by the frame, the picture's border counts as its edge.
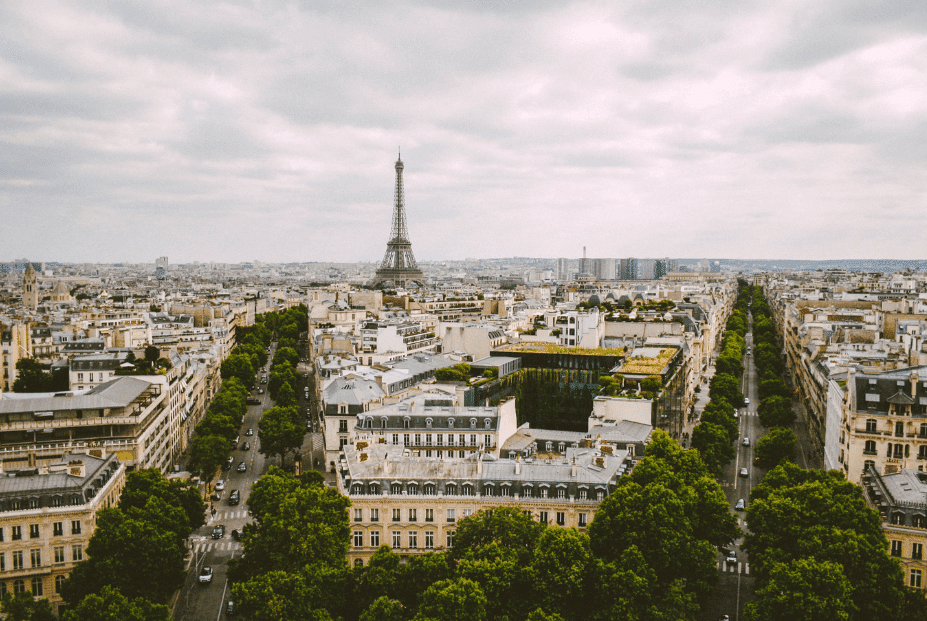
(231, 131)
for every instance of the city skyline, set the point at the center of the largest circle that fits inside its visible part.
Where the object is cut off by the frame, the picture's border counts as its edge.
(223, 131)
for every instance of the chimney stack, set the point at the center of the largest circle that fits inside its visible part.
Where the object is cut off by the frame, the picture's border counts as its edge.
(518, 464)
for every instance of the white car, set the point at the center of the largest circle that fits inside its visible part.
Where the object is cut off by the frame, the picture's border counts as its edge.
(744, 472)
(220, 485)
(206, 575)
(731, 558)
(746, 402)
(741, 505)
(746, 441)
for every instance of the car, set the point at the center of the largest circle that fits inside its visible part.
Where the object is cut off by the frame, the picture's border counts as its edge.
(235, 534)
(230, 608)
(246, 446)
(746, 441)
(243, 467)
(250, 432)
(744, 472)
(220, 485)
(260, 391)
(228, 463)
(252, 401)
(218, 532)
(264, 380)
(215, 496)
(731, 558)
(234, 497)
(206, 575)
(746, 402)
(741, 505)
(724, 618)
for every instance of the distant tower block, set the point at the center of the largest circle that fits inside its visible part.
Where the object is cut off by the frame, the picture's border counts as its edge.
(398, 267)
(30, 288)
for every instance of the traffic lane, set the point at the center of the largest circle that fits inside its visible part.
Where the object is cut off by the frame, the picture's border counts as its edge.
(196, 598)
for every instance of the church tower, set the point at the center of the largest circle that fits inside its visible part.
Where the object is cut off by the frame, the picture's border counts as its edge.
(30, 288)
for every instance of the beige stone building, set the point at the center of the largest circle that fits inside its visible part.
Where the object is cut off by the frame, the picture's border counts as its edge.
(412, 503)
(47, 516)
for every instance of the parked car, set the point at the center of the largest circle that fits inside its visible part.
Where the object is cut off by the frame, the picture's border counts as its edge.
(206, 575)
(741, 505)
(235, 535)
(234, 497)
(744, 472)
(230, 608)
(242, 467)
(228, 463)
(215, 496)
(260, 391)
(250, 432)
(218, 531)
(220, 485)
(246, 446)
(731, 558)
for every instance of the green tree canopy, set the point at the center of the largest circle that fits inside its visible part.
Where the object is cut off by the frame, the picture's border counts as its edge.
(143, 485)
(281, 430)
(286, 354)
(207, 454)
(238, 365)
(509, 527)
(31, 376)
(453, 600)
(776, 411)
(713, 442)
(24, 607)
(805, 589)
(776, 446)
(111, 605)
(725, 386)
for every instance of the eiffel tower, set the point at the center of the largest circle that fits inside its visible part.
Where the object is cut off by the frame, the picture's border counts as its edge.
(398, 266)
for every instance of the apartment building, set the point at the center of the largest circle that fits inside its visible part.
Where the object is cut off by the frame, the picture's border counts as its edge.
(884, 422)
(396, 336)
(126, 416)
(901, 500)
(47, 516)
(405, 499)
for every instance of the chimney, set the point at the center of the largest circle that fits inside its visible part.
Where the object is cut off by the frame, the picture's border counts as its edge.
(76, 468)
(518, 464)
(573, 467)
(914, 385)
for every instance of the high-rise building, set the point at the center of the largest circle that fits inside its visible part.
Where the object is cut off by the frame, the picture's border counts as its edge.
(604, 269)
(563, 270)
(398, 266)
(628, 269)
(646, 269)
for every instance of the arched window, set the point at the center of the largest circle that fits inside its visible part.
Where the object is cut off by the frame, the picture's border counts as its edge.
(487, 490)
(428, 422)
(472, 423)
(19, 586)
(357, 489)
(487, 423)
(383, 422)
(467, 489)
(450, 423)
(358, 562)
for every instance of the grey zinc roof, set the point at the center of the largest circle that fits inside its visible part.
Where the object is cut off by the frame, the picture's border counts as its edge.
(905, 486)
(117, 393)
(13, 484)
(352, 390)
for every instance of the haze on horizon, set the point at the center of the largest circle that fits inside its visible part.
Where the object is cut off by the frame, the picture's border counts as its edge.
(231, 131)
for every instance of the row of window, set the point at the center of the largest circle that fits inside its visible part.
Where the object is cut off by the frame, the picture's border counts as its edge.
(872, 427)
(37, 586)
(367, 423)
(896, 451)
(451, 515)
(35, 557)
(917, 549)
(18, 504)
(469, 489)
(16, 532)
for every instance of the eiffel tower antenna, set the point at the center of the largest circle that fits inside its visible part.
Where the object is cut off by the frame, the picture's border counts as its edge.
(398, 266)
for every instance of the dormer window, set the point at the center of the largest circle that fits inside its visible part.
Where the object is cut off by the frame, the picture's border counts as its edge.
(487, 423)
(428, 422)
(450, 423)
(472, 423)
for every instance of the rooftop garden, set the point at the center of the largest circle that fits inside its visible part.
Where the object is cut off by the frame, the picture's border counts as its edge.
(553, 348)
(649, 365)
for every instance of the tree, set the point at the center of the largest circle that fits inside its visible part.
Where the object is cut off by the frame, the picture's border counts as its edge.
(776, 411)
(803, 589)
(305, 526)
(111, 605)
(286, 396)
(131, 555)
(508, 527)
(280, 430)
(207, 454)
(509, 585)
(152, 354)
(562, 562)
(384, 609)
(453, 600)
(31, 376)
(281, 374)
(714, 444)
(776, 446)
(773, 387)
(238, 366)
(24, 607)
(143, 485)
(726, 387)
(286, 354)
(279, 596)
